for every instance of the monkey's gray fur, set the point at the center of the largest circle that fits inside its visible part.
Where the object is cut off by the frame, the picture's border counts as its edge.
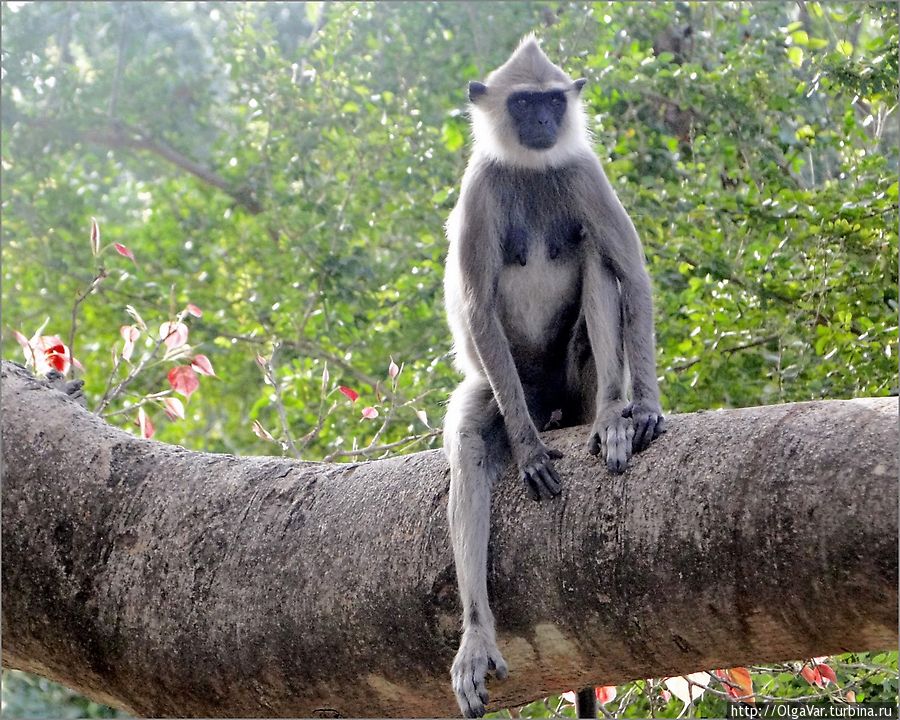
(550, 308)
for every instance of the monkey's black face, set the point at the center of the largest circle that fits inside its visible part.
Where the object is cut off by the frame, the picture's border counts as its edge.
(538, 116)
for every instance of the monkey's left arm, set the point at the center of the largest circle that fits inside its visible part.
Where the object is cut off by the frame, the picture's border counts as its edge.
(608, 226)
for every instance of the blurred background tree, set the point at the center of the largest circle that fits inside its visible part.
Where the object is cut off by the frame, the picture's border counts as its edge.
(287, 168)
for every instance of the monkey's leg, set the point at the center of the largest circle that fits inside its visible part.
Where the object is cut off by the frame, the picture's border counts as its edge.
(477, 448)
(586, 703)
(611, 433)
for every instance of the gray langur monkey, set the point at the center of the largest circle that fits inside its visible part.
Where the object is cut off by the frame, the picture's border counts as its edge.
(550, 308)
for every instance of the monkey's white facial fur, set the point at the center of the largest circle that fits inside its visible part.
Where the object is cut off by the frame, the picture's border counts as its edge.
(528, 113)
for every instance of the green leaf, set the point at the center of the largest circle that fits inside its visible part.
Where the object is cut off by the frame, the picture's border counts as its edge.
(452, 136)
(795, 55)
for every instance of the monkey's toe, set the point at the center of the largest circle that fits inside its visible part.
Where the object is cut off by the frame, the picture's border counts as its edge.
(476, 657)
(617, 444)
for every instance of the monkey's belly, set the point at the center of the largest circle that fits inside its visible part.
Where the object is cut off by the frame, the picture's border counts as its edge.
(537, 301)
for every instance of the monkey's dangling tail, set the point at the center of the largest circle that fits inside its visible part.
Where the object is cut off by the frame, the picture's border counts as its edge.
(586, 703)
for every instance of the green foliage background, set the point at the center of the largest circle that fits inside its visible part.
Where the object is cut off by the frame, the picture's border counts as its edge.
(288, 168)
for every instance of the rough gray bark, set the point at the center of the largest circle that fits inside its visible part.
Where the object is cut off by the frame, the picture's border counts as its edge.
(177, 583)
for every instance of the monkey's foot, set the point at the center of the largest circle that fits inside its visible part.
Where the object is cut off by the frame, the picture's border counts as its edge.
(612, 436)
(477, 655)
(538, 474)
(648, 422)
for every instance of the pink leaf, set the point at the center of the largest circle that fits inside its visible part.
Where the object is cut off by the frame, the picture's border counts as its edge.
(21, 339)
(605, 694)
(369, 413)
(423, 417)
(174, 408)
(145, 424)
(202, 365)
(174, 334)
(95, 237)
(130, 334)
(194, 310)
(46, 353)
(122, 250)
(261, 361)
(569, 697)
(261, 432)
(393, 370)
(352, 394)
(183, 380)
(325, 376)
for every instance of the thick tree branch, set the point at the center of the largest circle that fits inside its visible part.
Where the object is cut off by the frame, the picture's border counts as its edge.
(177, 583)
(116, 134)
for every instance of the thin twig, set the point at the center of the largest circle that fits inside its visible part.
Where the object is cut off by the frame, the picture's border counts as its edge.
(370, 451)
(98, 278)
(279, 402)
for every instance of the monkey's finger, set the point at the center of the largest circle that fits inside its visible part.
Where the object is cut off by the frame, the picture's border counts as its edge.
(626, 411)
(593, 443)
(549, 485)
(643, 434)
(501, 671)
(530, 486)
(554, 454)
(660, 427)
(629, 440)
(617, 453)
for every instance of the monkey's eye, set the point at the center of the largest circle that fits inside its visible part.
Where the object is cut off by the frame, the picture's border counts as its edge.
(521, 102)
(555, 100)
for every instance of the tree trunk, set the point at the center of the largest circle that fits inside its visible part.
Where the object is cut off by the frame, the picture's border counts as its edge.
(176, 583)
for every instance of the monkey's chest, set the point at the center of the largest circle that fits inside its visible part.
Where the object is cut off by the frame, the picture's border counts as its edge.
(529, 241)
(538, 301)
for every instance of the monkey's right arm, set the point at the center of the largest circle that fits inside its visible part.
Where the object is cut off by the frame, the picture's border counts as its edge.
(475, 247)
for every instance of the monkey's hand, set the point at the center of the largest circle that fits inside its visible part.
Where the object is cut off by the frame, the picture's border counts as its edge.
(535, 463)
(612, 434)
(477, 655)
(648, 422)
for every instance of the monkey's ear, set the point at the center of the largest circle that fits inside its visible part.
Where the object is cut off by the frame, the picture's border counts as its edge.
(476, 90)
(578, 84)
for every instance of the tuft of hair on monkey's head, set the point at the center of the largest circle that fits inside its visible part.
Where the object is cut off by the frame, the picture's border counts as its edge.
(528, 112)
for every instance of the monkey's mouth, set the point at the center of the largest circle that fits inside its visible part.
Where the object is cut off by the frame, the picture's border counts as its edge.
(538, 142)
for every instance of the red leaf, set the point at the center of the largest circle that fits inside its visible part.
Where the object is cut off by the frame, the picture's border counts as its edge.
(352, 394)
(183, 380)
(57, 357)
(827, 673)
(202, 365)
(737, 683)
(95, 237)
(122, 250)
(194, 310)
(174, 408)
(145, 424)
(811, 676)
(605, 694)
(393, 370)
(369, 413)
(174, 334)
